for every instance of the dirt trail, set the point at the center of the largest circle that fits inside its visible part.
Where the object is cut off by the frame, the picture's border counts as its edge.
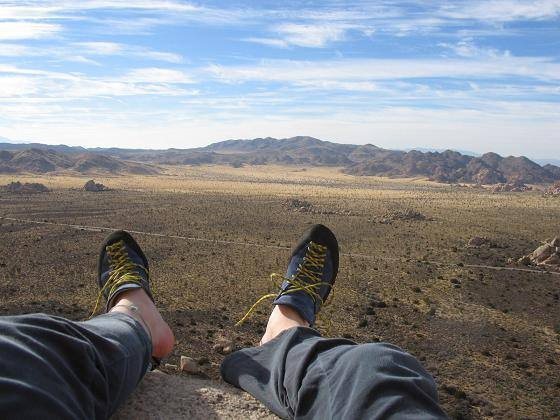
(163, 396)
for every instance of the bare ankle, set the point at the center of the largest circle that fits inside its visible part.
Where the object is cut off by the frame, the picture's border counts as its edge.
(137, 304)
(283, 317)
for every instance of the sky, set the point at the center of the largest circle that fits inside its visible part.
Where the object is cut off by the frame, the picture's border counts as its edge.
(477, 75)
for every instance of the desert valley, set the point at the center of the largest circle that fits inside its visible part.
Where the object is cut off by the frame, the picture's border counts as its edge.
(452, 257)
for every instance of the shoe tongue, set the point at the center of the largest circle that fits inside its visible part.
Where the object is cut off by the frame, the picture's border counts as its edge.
(299, 261)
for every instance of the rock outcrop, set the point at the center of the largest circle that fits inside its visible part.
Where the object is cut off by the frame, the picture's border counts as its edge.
(26, 188)
(547, 256)
(554, 190)
(511, 187)
(92, 186)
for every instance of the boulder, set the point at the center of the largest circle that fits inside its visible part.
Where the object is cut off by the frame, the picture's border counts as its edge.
(515, 186)
(27, 187)
(554, 259)
(542, 253)
(92, 186)
(553, 190)
(525, 260)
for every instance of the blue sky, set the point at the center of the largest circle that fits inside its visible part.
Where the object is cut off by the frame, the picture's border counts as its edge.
(475, 75)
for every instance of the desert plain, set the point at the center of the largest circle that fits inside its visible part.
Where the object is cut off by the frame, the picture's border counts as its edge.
(488, 331)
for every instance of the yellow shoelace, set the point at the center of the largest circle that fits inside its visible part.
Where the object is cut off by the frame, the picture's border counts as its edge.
(123, 271)
(307, 278)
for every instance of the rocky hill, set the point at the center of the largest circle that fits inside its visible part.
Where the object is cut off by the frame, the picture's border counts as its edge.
(447, 166)
(41, 160)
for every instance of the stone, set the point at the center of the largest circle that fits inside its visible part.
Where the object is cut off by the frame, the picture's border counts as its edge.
(515, 186)
(189, 365)
(224, 346)
(33, 187)
(555, 242)
(477, 241)
(554, 259)
(92, 186)
(542, 253)
(525, 260)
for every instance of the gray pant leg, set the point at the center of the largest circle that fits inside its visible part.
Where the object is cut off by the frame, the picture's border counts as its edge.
(299, 374)
(51, 367)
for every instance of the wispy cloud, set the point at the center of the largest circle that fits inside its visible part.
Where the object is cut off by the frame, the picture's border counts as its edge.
(22, 82)
(270, 42)
(502, 10)
(468, 48)
(292, 71)
(27, 30)
(83, 52)
(113, 48)
(313, 36)
(157, 75)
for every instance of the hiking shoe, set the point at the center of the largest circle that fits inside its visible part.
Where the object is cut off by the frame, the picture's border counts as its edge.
(122, 266)
(311, 273)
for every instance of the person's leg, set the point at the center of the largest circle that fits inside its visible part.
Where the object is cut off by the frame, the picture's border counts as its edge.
(297, 373)
(51, 367)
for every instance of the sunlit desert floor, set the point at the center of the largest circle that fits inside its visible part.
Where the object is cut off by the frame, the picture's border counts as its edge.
(213, 235)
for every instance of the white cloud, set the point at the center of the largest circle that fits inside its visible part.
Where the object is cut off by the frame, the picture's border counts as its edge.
(502, 10)
(467, 48)
(309, 35)
(80, 59)
(101, 48)
(163, 11)
(291, 71)
(79, 52)
(64, 86)
(313, 36)
(270, 42)
(13, 50)
(27, 30)
(113, 48)
(326, 85)
(28, 11)
(17, 86)
(157, 75)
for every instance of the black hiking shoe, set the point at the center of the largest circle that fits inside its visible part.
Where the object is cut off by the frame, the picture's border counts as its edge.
(122, 266)
(311, 273)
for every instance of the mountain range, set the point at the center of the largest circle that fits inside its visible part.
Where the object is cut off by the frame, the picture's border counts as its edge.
(447, 166)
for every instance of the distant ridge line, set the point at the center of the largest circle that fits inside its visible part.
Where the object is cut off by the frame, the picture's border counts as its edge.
(226, 242)
(446, 166)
